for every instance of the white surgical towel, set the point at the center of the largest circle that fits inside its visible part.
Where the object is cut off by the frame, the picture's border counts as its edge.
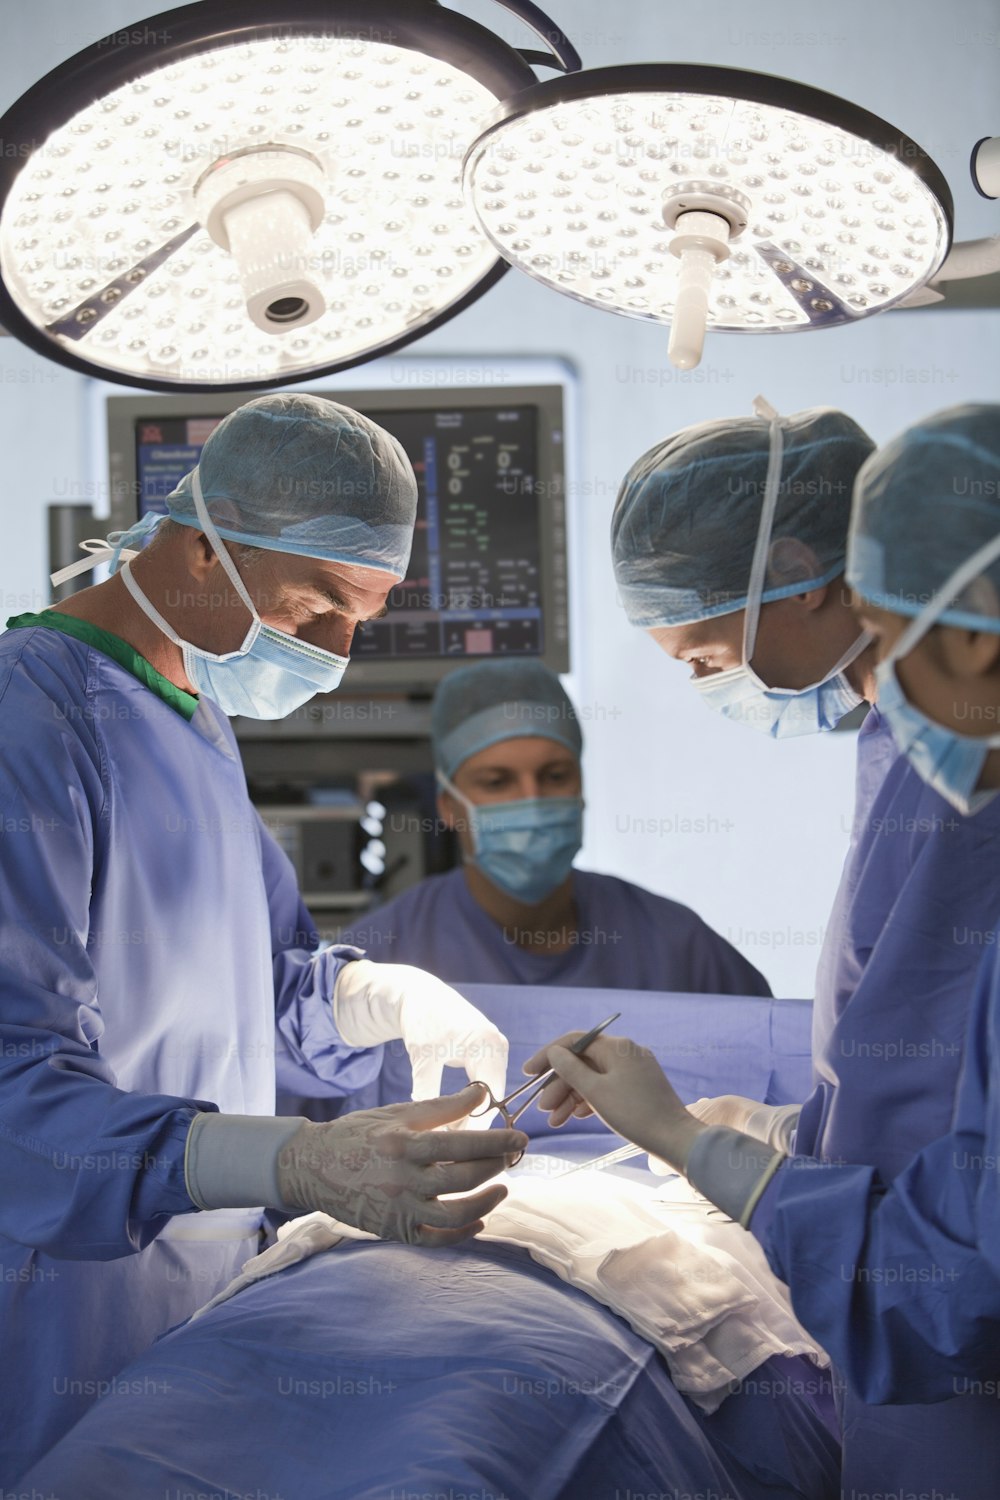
(685, 1277)
(692, 1282)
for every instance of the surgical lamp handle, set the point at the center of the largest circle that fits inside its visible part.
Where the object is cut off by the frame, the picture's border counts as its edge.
(563, 55)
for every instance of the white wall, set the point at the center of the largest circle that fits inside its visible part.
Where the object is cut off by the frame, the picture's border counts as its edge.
(751, 833)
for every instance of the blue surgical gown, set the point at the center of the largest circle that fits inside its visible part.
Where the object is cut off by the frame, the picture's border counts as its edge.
(151, 937)
(628, 939)
(904, 1294)
(916, 907)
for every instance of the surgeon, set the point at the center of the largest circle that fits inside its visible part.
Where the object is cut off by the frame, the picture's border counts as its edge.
(897, 1276)
(152, 938)
(507, 746)
(729, 543)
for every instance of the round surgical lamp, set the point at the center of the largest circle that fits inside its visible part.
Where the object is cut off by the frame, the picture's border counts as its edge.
(708, 197)
(246, 193)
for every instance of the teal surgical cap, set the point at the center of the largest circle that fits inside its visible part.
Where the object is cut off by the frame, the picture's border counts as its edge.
(481, 705)
(688, 512)
(301, 474)
(923, 505)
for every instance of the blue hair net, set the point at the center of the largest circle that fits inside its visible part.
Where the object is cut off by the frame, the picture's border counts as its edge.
(298, 473)
(688, 512)
(492, 701)
(923, 505)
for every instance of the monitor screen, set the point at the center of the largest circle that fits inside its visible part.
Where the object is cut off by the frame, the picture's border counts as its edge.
(487, 573)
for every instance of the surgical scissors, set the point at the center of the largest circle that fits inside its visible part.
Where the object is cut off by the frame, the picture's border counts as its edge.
(509, 1116)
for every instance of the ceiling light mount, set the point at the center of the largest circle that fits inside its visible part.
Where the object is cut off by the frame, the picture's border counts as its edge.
(704, 222)
(263, 206)
(709, 198)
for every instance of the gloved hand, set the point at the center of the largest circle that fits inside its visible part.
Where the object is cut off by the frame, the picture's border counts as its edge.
(624, 1084)
(375, 1003)
(385, 1169)
(773, 1123)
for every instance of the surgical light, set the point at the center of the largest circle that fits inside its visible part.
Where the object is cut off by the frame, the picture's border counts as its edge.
(708, 198)
(242, 194)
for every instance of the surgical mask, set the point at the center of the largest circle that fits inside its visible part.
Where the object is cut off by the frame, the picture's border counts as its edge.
(739, 694)
(950, 762)
(270, 674)
(525, 848)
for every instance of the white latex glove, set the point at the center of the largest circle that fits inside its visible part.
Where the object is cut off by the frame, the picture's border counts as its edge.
(773, 1123)
(375, 1003)
(385, 1169)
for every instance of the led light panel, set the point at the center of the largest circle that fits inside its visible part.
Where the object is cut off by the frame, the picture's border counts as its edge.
(86, 223)
(573, 193)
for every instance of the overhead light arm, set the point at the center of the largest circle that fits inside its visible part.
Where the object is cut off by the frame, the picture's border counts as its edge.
(968, 260)
(563, 55)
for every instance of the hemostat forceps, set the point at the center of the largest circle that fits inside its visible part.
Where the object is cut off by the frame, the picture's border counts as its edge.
(535, 1085)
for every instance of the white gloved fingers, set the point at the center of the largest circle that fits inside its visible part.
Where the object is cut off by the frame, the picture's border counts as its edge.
(430, 1147)
(561, 1103)
(570, 1106)
(484, 1058)
(460, 1176)
(660, 1168)
(556, 1093)
(412, 1217)
(427, 1061)
(426, 1115)
(482, 1055)
(458, 1213)
(476, 1121)
(431, 1237)
(775, 1124)
(731, 1110)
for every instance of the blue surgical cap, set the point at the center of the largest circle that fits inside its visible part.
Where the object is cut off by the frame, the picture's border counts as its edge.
(298, 473)
(688, 512)
(923, 505)
(491, 701)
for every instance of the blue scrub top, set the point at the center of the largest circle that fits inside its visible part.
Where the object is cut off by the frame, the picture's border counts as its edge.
(916, 910)
(627, 939)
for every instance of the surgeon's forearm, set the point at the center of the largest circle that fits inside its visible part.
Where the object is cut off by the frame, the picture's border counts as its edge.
(731, 1169)
(231, 1161)
(671, 1139)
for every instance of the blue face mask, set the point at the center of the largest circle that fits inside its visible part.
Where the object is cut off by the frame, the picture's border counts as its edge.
(525, 848)
(271, 674)
(950, 762)
(740, 694)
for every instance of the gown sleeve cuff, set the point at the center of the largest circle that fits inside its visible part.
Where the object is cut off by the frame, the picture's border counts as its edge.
(732, 1170)
(767, 1205)
(231, 1161)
